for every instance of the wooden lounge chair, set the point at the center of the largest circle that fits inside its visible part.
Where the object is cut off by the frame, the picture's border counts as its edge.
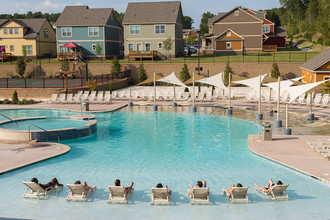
(118, 194)
(238, 194)
(77, 192)
(160, 196)
(277, 192)
(199, 196)
(36, 191)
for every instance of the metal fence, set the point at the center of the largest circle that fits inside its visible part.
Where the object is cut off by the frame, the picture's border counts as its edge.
(58, 82)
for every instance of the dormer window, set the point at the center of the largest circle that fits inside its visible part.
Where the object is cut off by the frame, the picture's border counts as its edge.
(228, 33)
(237, 13)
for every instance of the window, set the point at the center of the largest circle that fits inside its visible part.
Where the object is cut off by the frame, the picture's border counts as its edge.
(160, 29)
(16, 30)
(93, 47)
(11, 48)
(160, 45)
(237, 13)
(148, 47)
(93, 31)
(134, 29)
(265, 29)
(228, 33)
(5, 31)
(130, 47)
(138, 47)
(45, 33)
(326, 77)
(66, 32)
(228, 45)
(28, 49)
(10, 31)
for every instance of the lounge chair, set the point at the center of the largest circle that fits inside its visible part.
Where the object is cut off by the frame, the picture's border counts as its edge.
(36, 191)
(77, 97)
(53, 98)
(325, 101)
(200, 96)
(160, 196)
(99, 97)
(61, 99)
(118, 194)
(77, 192)
(208, 97)
(238, 194)
(277, 192)
(91, 97)
(114, 95)
(107, 97)
(69, 99)
(199, 196)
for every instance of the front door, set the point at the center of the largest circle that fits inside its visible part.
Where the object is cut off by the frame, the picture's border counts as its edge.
(139, 47)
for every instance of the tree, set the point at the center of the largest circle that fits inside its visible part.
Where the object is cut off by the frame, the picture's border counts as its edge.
(168, 45)
(24, 51)
(15, 98)
(142, 74)
(204, 22)
(65, 65)
(98, 49)
(187, 22)
(184, 74)
(228, 70)
(275, 73)
(20, 66)
(92, 85)
(115, 67)
(120, 16)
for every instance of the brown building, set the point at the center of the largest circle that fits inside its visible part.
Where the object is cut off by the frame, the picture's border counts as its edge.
(318, 68)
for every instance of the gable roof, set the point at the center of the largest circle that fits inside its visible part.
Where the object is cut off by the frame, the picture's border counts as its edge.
(232, 32)
(153, 12)
(317, 61)
(222, 15)
(33, 25)
(2, 21)
(219, 15)
(83, 16)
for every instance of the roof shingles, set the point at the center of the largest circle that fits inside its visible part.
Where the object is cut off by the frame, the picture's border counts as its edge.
(317, 61)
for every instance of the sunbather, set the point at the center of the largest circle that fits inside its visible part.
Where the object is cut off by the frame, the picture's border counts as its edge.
(128, 189)
(53, 183)
(231, 188)
(87, 188)
(199, 184)
(270, 185)
(159, 185)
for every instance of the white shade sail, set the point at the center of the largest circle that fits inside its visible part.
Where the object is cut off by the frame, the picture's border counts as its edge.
(297, 79)
(215, 80)
(254, 83)
(172, 79)
(284, 85)
(296, 91)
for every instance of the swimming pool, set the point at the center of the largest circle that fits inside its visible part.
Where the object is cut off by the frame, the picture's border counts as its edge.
(172, 148)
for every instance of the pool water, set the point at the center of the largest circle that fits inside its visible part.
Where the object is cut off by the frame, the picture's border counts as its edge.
(175, 149)
(48, 124)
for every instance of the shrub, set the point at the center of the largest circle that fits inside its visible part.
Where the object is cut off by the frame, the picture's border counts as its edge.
(115, 67)
(142, 75)
(6, 101)
(92, 85)
(15, 97)
(110, 88)
(31, 101)
(228, 70)
(65, 65)
(186, 89)
(24, 101)
(20, 66)
(184, 74)
(275, 73)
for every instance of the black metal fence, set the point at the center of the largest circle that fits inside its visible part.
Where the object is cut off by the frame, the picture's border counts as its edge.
(58, 82)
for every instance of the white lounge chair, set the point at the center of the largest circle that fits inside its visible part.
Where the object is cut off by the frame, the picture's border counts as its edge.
(99, 97)
(76, 98)
(118, 194)
(200, 96)
(317, 99)
(34, 190)
(238, 194)
(53, 98)
(61, 99)
(325, 101)
(208, 97)
(69, 99)
(114, 95)
(160, 196)
(77, 192)
(199, 196)
(91, 97)
(277, 192)
(107, 97)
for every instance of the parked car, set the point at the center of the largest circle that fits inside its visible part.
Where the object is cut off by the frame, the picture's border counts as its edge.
(193, 49)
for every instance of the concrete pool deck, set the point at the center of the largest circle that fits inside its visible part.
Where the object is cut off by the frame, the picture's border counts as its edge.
(294, 152)
(15, 155)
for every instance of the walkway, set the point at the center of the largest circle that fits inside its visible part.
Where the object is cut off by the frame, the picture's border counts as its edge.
(294, 152)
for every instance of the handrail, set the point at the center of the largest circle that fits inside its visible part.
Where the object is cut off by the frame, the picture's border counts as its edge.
(9, 119)
(58, 138)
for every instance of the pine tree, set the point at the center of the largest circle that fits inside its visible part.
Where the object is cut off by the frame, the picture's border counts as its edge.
(184, 74)
(228, 70)
(142, 75)
(21, 66)
(65, 64)
(275, 73)
(115, 67)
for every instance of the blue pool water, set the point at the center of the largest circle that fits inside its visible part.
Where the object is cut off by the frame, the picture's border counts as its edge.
(47, 124)
(172, 148)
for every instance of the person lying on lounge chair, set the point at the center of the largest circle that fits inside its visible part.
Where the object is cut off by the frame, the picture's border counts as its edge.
(159, 185)
(128, 189)
(87, 188)
(270, 185)
(199, 184)
(231, 188)
(53, 183)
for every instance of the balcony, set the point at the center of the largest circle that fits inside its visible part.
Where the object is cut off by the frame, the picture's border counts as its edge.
(70, 55)
(151, 54)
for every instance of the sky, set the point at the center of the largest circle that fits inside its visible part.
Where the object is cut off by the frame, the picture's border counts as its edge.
(192, 8)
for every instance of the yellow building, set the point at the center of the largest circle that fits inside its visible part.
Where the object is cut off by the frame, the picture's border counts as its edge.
(36, 34)
(318, 68)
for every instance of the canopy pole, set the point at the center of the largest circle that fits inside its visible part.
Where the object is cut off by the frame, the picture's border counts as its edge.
(154, 89)
(311, 99)
(130, 98)
(270, 98)
(287, 116)
(193, 89)
(229, 92)
(174, 93)
(259, 106)
(278, 98)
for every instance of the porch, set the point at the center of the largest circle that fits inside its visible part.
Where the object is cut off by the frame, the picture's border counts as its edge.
(5, 56)
(151, 54)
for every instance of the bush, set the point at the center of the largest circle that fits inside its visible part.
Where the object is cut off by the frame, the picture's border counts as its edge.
(186, 89)
(92, 85)
(228, 70)
(110, 88)
(142, 75)
(15, 97)
(115, 67)
(184, 74)
(6, 101)
(31, 101)
(24, 101)
(275, 73)
(20, 66)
